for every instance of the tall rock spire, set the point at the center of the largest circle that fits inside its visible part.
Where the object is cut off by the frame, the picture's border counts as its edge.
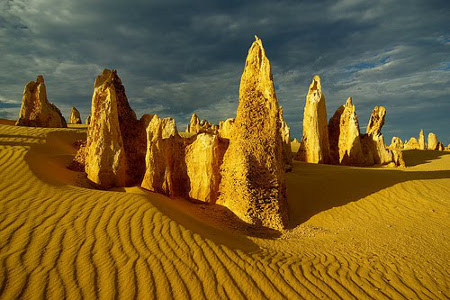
(253, 180)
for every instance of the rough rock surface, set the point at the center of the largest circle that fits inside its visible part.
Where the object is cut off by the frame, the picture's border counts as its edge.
(225, 128)
(422, 145)
(286, 138)
(36, 111)
(432, 141)
(374, 148)
(314, 147)
(396, 143)
(75, 116)
(203, 159)
(196, 126)
(412, 144)
(185, 167)
(115, 149)
(253, 182)
(88, 119)
(440, 147)
(344, 136)
(165, 168)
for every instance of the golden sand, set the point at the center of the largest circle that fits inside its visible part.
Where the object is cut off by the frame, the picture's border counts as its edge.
(357, 233)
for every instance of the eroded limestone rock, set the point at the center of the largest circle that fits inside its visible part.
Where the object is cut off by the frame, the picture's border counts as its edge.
(253, 178)
(412, 144)
(396, 143)
(36, 111)
(344, 135)
(286, 138)
(197, 126)
(75, 116)
(115, 149)
(432, 141)
(422, 145)
(225, 128)
(314, 147)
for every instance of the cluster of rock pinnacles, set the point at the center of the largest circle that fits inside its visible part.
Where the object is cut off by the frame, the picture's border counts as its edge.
(240, 163)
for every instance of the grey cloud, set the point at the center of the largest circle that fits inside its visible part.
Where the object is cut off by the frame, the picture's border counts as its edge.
(177, 57)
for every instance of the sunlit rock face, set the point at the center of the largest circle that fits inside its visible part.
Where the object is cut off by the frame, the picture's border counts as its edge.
(373, 144)
(36, 111)
(286, 138)
(203, 159)
(314, 147)
(75, 116)
(344, 135)
(116, 140)
(412, 144)
(196, 126)
(185, 167)
(225, 128)
(253, 178)
(440, 147)
(295, 145)
(432, 141)
(396, 143)
(422, 145)
(165, 168)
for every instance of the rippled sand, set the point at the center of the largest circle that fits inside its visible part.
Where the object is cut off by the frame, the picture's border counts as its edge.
(356, 233)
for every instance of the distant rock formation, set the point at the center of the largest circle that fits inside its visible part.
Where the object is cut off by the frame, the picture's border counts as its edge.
(116, 141)
(412, 144)
(440, 147)
(422, 145)
(75, 116)
(373, 144)
(196, 126)
(295, 145)
(314, 147)
(286, 138)
(432, 141)
(344, 136)
(396, 143)
(225, 128)
(88, 119)
(36, 111)
(253, 182)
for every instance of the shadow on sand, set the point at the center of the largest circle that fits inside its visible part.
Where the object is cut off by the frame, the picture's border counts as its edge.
(315, 188)
(312, 188)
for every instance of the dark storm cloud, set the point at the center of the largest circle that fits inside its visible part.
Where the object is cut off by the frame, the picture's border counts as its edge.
(180, 57)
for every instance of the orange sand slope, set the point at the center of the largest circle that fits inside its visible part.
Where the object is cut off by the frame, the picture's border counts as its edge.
(356, 233)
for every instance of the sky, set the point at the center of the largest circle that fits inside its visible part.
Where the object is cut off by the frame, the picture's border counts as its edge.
(179, 57)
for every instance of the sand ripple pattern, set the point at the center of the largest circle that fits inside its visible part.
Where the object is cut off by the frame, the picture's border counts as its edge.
(59, 241)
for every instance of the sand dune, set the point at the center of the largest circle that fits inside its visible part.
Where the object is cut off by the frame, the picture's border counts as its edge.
(355, 233)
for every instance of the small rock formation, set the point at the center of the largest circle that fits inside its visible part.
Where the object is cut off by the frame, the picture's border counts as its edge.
(396, 143)
(422, 145)
(196, 126)
(344, 135)
(116, 141)
(185, 167)
(203, 159)
(447, 148)
(314, 147)
(165, 169)
(374, 148)
(412, 144)
(253, 183)
(79, 160)
(225, 128)
(432, 141)
(75, 116)
(286, 138)
(295, 145)
(88, 120)
(440, 147)
(36, 111)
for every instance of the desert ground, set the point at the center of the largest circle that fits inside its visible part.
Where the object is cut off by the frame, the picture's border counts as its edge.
(355, 233)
